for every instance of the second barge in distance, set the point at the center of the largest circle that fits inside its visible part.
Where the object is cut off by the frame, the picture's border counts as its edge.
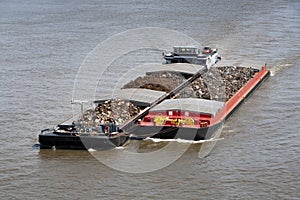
(194, 118)
(193, 55)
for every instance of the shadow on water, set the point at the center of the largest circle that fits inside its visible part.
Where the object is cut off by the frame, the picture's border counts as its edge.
(49, 154)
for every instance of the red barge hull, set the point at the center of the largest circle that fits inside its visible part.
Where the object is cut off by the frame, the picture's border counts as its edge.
(144, 130)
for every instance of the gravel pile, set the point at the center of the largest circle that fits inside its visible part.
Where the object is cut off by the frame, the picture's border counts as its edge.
(111, 111)
(160, 81)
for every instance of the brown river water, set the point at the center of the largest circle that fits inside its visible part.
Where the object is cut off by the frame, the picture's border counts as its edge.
(43, 44)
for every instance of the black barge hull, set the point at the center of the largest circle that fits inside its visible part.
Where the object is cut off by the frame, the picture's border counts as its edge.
(52, 140)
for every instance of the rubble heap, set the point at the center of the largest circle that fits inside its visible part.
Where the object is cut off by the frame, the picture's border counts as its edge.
(222, 82)
(111, 111)
(235, 78)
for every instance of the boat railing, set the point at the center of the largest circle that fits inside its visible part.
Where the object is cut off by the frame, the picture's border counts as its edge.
(47, 130)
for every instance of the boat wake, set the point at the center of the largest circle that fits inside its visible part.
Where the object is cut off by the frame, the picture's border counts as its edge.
(278, 68)
(91, 150)
(179, 140)
(120, 147)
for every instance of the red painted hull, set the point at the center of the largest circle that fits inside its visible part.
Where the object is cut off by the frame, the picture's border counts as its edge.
(142, 131)
(233, 103)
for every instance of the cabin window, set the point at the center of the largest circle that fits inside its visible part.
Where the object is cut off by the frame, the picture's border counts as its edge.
(176, 50)
(170, 112)
(186, 114)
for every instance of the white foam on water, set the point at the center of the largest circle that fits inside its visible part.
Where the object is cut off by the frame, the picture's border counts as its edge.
(91, 150)
(179, 140)
(279, 68)
(120, 147)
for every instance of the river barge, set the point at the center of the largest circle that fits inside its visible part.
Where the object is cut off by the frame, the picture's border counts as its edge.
(87, 131)
(193, 55)
(194, 118)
